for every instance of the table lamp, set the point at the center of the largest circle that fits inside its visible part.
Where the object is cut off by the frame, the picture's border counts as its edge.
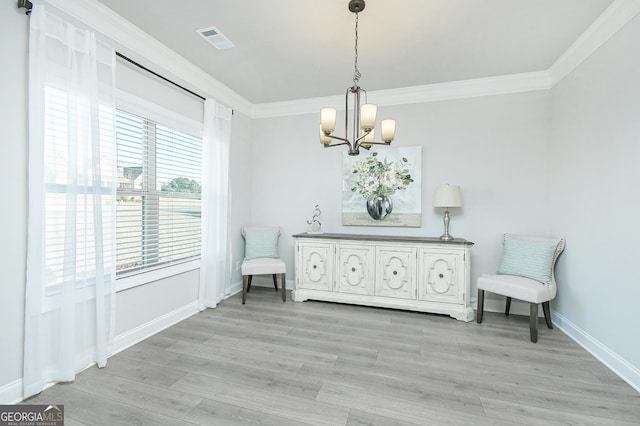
(447, 196)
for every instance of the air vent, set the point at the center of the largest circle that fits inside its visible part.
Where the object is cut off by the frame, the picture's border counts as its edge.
(215, 37)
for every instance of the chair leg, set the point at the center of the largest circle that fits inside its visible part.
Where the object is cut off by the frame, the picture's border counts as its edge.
(508, 307)
(284, 287)
(244, 288)
(547, 314)
(275, 282)
(249, 283)
(480, 306)
(533, 322)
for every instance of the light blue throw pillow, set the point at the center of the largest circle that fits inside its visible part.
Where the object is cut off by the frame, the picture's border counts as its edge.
(261, 242)
(528, 258)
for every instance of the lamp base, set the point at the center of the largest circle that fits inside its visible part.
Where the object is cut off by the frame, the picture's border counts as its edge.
(446, 237)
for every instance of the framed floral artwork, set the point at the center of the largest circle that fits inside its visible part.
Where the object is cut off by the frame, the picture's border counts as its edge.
(383, 187)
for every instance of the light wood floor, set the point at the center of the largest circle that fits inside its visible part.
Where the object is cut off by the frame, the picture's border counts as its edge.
(275, 363)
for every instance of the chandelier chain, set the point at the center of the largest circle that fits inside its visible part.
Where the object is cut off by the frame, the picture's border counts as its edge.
(356, 71)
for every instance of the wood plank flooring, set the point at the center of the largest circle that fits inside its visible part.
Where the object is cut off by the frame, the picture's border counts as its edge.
(275, 363)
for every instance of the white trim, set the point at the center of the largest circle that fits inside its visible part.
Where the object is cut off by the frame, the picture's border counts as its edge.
(151, 275)
(138, 334)
(612, 19)
(11, 393)
(612, 360)
(514, 83)
(235, 288)
(147, 50)
(625, 370)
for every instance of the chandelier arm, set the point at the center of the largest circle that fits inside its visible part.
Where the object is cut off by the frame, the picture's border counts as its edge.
(344, 140)
(365, 144)
(328, 118)
(362, 137)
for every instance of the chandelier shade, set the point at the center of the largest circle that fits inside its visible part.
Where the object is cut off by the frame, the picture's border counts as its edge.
(361, 117)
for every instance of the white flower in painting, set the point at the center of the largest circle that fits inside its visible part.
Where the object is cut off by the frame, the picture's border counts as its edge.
(375, 178)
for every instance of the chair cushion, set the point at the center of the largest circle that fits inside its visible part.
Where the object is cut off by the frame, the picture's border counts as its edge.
(528, 258)
(261, 242)
(263, 266)
(526, 289)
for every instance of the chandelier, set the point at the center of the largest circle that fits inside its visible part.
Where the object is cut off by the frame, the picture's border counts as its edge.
(363, 116)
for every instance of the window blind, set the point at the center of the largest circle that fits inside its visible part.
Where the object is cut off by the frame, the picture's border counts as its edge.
(159, 191)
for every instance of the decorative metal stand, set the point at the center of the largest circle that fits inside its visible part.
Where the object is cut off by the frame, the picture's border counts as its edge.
(315, 227)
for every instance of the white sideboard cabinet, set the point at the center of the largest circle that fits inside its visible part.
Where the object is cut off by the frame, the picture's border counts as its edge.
(412, 273)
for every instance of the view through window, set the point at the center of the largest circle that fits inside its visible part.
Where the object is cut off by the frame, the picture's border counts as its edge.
(159, 188)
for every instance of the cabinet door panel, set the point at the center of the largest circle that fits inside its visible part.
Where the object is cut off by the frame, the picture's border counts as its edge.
(395, 272)
(439, 277)
(354, 270)
(317, 266)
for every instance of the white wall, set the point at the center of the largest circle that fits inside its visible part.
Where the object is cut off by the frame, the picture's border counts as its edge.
(13, 172)
(595, 155)
(494, 147)
(241, 172)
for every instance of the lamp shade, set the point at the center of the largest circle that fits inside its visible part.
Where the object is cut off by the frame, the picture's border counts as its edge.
(328, 120)
(448, 196)
(368, 116)
(324, 139)
(388, 128)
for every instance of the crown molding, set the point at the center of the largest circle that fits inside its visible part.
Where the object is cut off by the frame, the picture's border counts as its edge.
(148, 51)
(489, 86)
(610, 22)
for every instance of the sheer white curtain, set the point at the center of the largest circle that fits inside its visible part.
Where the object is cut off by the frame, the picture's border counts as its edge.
(69, 307)
(215, 262)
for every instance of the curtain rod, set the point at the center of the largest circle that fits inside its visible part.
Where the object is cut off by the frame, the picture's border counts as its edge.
(120, 55)
(26, 4)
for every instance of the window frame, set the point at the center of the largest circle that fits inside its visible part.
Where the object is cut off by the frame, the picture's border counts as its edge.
(131, 104)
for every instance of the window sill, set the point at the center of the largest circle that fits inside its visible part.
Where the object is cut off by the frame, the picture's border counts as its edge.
(150, 275)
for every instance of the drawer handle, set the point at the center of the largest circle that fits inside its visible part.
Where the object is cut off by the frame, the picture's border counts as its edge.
(353, 269)
(395, 272)
(315, 266)
(441, 276)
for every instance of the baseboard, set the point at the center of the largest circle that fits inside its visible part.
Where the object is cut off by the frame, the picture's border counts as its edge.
(235, 288)
(612, 360)
(11, 393)
(138, 334)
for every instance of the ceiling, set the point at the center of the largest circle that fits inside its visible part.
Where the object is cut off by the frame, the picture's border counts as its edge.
(298, 49)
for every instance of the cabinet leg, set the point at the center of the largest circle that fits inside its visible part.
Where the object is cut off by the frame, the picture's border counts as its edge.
(508, 307)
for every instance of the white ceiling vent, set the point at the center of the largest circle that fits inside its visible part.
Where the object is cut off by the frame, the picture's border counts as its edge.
(215, 37)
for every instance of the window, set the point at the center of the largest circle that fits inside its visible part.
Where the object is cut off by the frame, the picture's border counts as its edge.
(77, 207)
(159, 186)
